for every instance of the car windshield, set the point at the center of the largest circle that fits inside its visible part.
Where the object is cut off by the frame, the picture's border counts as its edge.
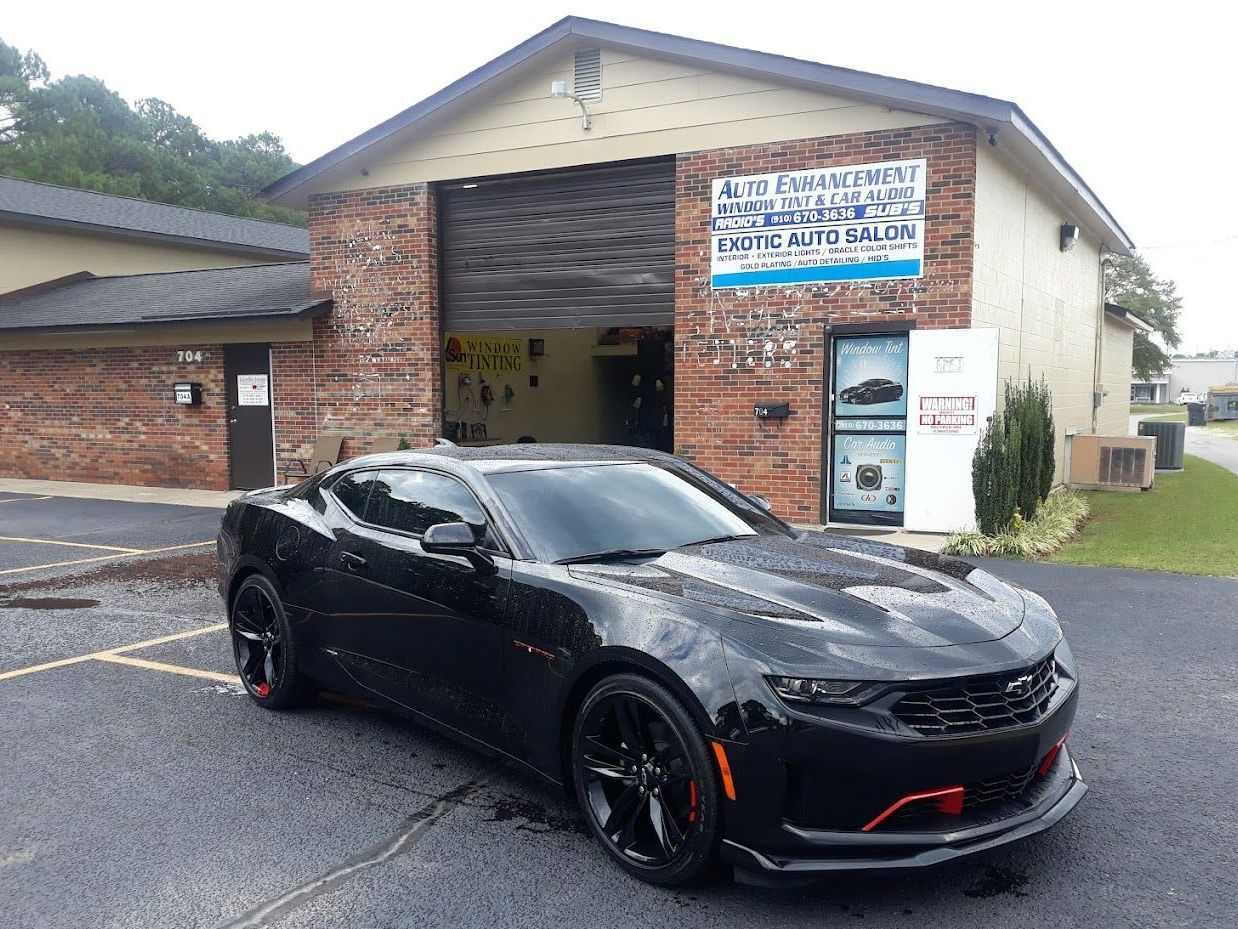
(600, 510)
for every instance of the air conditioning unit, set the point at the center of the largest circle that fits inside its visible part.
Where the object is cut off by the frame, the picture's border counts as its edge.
(1108, 462)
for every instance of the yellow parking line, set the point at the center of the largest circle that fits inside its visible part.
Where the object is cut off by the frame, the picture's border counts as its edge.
(123, 554)
(106, 548)
(171, 668)
(25, 499)
(110, 653)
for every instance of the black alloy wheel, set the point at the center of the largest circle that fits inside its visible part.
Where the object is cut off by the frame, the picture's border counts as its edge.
(643, 778)
(261, 644)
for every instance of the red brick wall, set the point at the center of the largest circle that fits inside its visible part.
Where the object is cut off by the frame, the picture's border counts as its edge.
(374, 366)
(106, 415)
(738, 347)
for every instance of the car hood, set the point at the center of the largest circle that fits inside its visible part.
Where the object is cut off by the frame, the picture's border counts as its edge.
(840, 589)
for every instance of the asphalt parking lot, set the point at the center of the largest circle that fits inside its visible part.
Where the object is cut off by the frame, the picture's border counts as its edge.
(142, 788)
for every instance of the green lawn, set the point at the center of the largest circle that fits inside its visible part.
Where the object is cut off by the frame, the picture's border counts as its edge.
(1188, 523)
(1176, 417)
(1227, 427)
(1144, 409)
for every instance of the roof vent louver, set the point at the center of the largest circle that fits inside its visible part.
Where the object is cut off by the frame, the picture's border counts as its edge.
(587, 74)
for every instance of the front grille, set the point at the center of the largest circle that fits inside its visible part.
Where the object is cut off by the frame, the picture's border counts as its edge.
(977, 796)
(981, 704)
(997, 789)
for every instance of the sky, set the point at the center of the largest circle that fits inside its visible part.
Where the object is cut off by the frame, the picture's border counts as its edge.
(1138, 97)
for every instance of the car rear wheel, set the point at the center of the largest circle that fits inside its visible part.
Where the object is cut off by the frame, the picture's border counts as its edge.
(645, 782)
(263, 647)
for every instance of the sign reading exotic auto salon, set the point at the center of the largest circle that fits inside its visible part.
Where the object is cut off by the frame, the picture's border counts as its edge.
(843, 223)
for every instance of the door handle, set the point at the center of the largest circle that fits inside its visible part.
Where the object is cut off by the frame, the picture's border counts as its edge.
(352, 562)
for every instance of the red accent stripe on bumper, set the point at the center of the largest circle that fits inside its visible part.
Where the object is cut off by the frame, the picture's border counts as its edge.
(949, 800)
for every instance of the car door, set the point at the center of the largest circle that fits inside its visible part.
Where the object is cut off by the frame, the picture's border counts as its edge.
(424, 630)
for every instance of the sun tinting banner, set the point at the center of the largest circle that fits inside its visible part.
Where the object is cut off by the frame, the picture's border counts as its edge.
(840, 223)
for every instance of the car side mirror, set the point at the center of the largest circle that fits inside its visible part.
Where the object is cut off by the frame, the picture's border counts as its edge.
(763, 500)
(458, 539)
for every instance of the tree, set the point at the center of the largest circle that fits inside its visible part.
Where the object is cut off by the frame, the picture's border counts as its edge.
(1132, 284)
(77, 132)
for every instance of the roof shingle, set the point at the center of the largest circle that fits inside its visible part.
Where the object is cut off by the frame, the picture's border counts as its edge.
(170, 296)
(36, 202)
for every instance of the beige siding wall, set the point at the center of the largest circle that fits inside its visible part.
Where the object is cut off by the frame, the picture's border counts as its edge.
(1113, 417)
(1043, 301)
(648, 108)
(31, 256)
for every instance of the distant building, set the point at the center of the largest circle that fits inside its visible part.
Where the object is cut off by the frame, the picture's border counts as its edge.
(1187, 375)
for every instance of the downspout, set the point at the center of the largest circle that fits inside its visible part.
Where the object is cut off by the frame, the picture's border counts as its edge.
(1098, 354)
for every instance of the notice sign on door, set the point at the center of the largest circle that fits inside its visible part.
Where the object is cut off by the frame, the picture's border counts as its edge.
(253, 390)
(844, 223)
(948, 415)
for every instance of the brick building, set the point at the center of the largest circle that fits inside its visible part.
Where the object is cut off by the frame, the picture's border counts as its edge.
(810, 280)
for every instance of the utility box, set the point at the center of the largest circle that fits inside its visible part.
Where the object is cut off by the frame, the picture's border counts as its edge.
(1170, 443)
(1106, 462)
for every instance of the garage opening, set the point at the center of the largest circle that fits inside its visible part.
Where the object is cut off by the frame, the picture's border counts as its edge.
(558, 296)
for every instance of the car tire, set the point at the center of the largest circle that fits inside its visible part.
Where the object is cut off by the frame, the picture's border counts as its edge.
(665, 716)
(258, 627)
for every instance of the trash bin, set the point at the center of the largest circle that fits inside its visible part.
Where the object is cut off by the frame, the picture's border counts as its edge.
(1196, 414)
(1170, 443)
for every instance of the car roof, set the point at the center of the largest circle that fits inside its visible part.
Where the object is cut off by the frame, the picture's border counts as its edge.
(491, 459)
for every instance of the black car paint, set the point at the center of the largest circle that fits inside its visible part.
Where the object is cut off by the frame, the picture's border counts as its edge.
(501, 657)
(874, 390)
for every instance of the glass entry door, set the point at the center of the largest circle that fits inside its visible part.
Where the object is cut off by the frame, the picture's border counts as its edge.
(868, 429)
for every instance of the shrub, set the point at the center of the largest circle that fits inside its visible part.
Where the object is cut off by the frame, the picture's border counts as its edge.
(1057, 520)
(989, 479)
(1029, 407)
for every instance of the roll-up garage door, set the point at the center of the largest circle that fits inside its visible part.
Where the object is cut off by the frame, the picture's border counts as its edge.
(592, 247)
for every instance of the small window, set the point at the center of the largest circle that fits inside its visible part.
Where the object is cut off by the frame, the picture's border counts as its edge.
(413, 501)
(352, 490)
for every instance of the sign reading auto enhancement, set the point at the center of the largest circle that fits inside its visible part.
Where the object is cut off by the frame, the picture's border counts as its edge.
(948, 415)
(463, 352)
(843, 223)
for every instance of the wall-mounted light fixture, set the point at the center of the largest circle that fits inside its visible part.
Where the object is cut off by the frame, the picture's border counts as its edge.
(1070, 237)
(559, 89)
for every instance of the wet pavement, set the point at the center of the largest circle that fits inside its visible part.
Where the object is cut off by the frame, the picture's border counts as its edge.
(142, 788)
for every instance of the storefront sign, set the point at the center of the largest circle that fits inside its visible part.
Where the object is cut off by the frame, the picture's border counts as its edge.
(253, 390)
(464, 352)
(948, 415)
(851, 424)
(868, 472)
(843, 223)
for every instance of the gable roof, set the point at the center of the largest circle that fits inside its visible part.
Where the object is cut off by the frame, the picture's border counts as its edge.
(29, 202)
(246, 292)
(999, 117)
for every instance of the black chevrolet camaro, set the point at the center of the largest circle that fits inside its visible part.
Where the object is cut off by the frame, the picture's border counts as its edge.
(707, 680)
(873, 390)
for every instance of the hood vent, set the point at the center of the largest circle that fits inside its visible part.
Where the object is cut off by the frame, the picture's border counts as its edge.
(587, 74)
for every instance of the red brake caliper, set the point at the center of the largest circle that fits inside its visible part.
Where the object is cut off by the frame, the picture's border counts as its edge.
(692, 801)
(263, 689)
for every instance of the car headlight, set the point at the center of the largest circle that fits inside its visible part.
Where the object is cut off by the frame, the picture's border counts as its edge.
(815, 690)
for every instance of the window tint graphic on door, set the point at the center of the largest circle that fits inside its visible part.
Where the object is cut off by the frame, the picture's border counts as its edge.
(868, 467)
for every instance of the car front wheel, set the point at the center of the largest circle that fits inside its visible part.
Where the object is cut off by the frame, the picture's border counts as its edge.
(262, 644)
(645, 781)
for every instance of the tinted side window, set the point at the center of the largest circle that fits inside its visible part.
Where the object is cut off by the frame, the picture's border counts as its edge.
(353, 490)
(413, 501)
